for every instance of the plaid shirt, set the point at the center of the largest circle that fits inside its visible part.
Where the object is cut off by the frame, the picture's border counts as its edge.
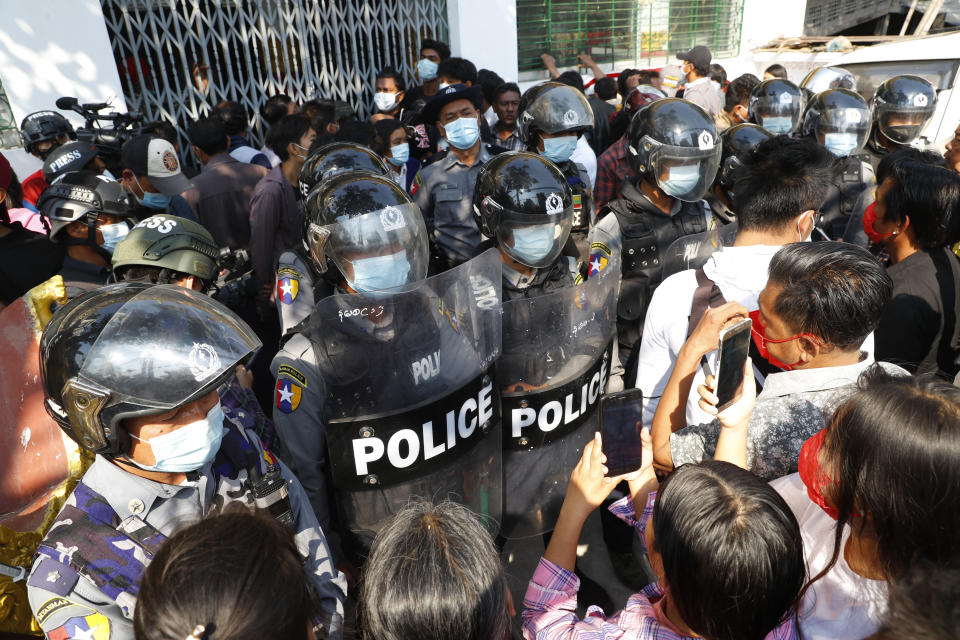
(613, 168)
(550, 604)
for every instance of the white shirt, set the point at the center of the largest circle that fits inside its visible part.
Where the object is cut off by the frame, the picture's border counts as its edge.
(271, 156)
(584, 155)
(399, 178)
(841, 605)
(740, 273)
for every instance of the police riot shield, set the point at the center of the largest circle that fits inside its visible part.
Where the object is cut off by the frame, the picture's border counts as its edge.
(557, 358)
(693, 251)
(412, 405)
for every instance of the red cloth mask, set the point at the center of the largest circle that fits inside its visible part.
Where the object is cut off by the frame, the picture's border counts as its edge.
(869, 217)
(812, 474)
(760, 339)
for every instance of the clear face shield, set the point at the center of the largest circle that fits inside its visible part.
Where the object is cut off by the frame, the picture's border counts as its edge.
(779, 115)
(379, 250)
(844, 131)
(903, 124)
(685, 173)
(559, 110)
(534, 240)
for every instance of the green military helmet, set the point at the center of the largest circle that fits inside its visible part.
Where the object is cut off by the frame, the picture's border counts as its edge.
(168, 242)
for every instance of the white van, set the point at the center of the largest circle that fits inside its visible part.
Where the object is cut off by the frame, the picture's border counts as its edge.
(934, 58)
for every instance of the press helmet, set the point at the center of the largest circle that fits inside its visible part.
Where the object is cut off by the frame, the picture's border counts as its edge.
(174, 246)
(82, 196)
(41, 126)
(72, 156)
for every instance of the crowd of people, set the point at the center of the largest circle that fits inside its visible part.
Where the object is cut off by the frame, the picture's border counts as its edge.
(327, 380)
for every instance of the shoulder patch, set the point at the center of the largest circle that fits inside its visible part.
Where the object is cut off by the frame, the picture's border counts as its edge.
(53, 605)
(54, 577)
(288, 272)
(95, 626)
(599, 246)
(415, 185)
(287, 289)
(287, 370)
(288, 395)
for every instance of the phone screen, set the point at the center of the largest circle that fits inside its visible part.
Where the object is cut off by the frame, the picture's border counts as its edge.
(621, 417)
(734, 348)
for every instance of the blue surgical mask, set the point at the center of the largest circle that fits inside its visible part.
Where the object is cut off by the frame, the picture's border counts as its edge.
(399, 154)
(112, 234)
(559, 149)
(778, 124)
(427, 69)
(189, 447)
(840, 144)
(380, 272)
(681, 180)
(532, 244)
(462, 133)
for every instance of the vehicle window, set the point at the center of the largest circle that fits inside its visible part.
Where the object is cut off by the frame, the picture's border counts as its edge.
(940, 73)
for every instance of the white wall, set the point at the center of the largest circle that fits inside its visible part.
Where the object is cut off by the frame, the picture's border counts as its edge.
(53, 48)
(485, 33)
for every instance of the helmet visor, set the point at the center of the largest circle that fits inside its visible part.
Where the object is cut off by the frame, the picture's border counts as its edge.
(685, 173)
(779, 115)
(844, 131)
(561, 110)
(533, 240)
(166, 347)
(903, 124)
(382, 249)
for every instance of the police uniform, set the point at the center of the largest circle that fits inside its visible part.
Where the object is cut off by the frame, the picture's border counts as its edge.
(297, 291)
(443, 190)
(83, 583)
(852, 178)
(644, 233)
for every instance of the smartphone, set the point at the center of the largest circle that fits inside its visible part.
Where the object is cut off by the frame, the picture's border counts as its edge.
(621, 417)
(733, 351)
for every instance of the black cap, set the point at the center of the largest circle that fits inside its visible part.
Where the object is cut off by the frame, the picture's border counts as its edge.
(431, 113)
(699, 56)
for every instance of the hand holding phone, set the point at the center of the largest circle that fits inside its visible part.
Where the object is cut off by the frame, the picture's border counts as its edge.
(621, 418)
(732, 352)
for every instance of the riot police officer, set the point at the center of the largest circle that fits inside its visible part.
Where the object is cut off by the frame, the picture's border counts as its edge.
(675, 152)
(524, 206)
(840, 120)
(737, 141)
(552, 118)
(299, 283)
(130, 373)
(902, 107)
(823, 78)
(87, 214)
(777, 106)
(42, 132)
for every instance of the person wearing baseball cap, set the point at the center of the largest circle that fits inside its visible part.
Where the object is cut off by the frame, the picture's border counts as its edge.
(699, 89)
(151, 174)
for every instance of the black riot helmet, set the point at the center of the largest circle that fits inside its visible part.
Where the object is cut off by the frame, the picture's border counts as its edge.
(367, 229)
(336, 158)
(43, 126)
(674, 143)
(82, 196)
(135, 349)
(738, 141)
(72, 156)
(523, 201)
(839, 119)
(552, 107)
(776, 105)
(902, 106)
(823, 78)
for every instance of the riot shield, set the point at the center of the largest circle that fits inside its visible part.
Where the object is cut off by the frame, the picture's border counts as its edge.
(693, 251)
(557, 357)
(412, 405)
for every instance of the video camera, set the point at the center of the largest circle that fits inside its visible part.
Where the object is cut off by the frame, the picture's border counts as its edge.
(236, 286)
(107, 131)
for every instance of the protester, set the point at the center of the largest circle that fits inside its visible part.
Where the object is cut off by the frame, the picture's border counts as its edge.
(613, 165)
(604, 103)
(390, 90)
(699, 89)
(816, 339)
(489, 81)
(273, 109)
(718, 75)
(222, 192)
(434, 572)
(916, 218)
(775, 70)
(736, 102)
(724, 546)
(403, 166)
(234, 117)
(506, 105)
(432, 53)
(238, 574)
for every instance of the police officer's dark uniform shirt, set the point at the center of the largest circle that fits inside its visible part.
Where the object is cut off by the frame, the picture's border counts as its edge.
(69, 605)
(444, 192)
(26, 260)
(80, 277)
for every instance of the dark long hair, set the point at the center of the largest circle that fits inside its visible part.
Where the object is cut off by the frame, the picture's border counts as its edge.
(930, 196)
(434, 574)
(893, 452)
(239, 574)
(731, 549)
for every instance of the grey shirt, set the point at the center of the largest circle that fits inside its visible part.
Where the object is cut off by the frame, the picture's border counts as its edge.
(221, 198)
(444, 192)
(166, 508)
(793, 406)
(705, 94)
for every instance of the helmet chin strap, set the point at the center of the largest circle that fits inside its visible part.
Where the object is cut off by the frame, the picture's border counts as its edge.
(90, 241)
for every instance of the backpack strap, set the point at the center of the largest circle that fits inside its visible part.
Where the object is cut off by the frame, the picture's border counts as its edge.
(707, 295)
(946, 354)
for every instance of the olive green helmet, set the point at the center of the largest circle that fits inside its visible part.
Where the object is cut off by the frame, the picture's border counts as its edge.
(168, 242)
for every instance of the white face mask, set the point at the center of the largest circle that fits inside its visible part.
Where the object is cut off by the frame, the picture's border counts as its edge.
(189, 447)
(385, 101)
